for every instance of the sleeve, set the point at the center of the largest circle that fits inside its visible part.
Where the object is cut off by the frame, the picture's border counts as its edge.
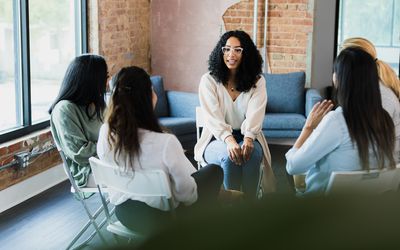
(211, 107)
(183, 185)
(102, 143)
(73, 141)
(323, 140)
(255, 112)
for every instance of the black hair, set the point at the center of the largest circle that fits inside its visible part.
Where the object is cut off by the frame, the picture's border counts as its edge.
(250, 67)
(84, 84)
(358, 93)
(131, 108)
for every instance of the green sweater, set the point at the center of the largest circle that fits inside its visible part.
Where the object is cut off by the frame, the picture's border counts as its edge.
(77, 136)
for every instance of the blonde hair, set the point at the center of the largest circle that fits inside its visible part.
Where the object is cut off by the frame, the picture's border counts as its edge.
(386, 73)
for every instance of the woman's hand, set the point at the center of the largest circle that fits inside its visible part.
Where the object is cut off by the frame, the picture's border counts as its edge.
(247, 148)
(319, 110)
(234, 150)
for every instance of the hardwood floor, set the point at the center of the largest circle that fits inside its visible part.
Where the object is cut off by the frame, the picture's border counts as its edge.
(51, 220)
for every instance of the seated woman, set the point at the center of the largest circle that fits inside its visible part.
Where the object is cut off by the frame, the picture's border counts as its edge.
(358, 135)
(132, 139)
(77, 113)
(389, 85)
(233, 98)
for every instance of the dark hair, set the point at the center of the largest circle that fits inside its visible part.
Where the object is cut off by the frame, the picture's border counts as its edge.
(249, 68)
(131, 108)
(370, 126)
(85, 83)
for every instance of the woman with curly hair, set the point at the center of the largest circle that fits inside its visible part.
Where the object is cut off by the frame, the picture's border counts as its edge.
(233, 99)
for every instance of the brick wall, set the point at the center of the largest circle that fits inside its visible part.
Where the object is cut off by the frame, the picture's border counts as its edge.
(123, 33)
(36, 142)
(289, 31)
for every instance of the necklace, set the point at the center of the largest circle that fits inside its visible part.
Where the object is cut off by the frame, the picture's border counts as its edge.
(232, 89)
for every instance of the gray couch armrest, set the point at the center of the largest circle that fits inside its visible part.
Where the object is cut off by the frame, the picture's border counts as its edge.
(182, 104)
(312, 97)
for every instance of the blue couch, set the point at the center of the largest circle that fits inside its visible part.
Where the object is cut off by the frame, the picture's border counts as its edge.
(289, 102)
(176, 111)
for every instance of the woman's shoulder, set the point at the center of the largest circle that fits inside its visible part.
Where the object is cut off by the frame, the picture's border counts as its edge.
(65, 106)
(208, 78)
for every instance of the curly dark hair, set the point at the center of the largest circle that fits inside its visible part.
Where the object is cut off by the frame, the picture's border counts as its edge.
(249, 68)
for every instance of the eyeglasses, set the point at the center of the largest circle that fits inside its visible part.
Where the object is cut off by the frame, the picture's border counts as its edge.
(235, 50)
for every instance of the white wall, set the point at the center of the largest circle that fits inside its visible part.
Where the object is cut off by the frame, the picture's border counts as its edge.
(323, 43)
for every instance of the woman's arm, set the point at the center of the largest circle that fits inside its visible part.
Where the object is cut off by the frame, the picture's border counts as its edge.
(73, 141)
(180, 170)
(322, 141)
(255, 114)
(211, 108)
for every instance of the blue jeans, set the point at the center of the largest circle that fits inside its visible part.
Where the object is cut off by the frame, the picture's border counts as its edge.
(236, 176)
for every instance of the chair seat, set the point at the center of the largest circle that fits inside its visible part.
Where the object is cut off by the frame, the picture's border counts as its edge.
(179, 125)
(283, 121)
(119, 229)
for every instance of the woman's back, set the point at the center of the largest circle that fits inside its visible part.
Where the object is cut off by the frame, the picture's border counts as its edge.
(157, 151)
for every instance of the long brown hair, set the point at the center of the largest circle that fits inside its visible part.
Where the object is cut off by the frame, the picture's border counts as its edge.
(131, 108)
(370, 126)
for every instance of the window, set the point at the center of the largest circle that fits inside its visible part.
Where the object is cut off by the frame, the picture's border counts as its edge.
(38, 39)
(377, 21)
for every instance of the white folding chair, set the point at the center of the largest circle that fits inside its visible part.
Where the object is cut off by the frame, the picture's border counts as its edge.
(200, 122)
(364, 182)
(79, 194)
(144, 183)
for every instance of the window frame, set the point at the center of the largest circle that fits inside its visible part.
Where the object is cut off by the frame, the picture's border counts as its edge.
(338, 10)
(22, 74)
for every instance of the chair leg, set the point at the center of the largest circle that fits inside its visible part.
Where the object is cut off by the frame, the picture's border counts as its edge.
(86, 226)
(93, 219)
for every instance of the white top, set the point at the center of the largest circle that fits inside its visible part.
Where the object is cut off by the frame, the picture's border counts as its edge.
(213, 102)
(157, 151)
(329, 148)
(391, 104)
(235, 111)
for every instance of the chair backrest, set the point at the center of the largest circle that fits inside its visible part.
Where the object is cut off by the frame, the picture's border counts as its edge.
(143, 183)
(199, 121)
(366, 182)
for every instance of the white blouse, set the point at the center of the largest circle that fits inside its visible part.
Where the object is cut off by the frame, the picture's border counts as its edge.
(235, 111)
(157, 151)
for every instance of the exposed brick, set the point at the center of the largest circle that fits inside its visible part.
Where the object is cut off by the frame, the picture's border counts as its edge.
(289, 25)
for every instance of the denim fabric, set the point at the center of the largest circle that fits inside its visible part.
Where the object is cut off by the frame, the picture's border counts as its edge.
(244, 177)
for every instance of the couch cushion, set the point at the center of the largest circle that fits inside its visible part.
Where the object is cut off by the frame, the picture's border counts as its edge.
(179, 125)
(162, 105)
(285, 92)
(283, 121)
(182, 104)
(281, 133)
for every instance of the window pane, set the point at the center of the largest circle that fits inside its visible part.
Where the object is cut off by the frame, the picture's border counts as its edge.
(368, 18)
(377, 21)
(396, 26)
(52, 47)
(10, 110)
